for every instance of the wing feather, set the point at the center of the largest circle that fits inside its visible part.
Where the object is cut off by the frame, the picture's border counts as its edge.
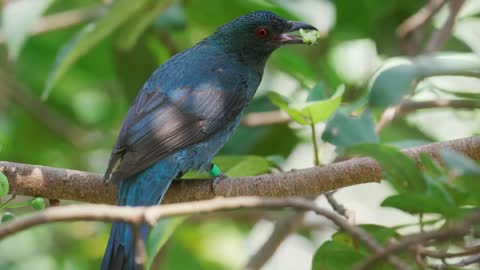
(160, 125)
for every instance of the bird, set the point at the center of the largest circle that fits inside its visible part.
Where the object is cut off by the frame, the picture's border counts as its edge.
(185, 112)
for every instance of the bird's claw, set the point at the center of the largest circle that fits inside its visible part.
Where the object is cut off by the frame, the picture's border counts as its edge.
(217, 174)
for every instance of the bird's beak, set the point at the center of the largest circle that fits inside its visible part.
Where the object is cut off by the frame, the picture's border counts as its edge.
(286, 38)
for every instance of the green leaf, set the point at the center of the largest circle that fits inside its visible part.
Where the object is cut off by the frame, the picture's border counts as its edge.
(92, 34)
(380, 233)
(343, 130)
(318, 92)
(399, 169)
(333, 255)
(415, 203)
(159, 236)
(281, 102)
(4, 185)
(136, 26)
(320, 111)
(238, 166)
(431, 165)
(399, 77)
(243, 165)
(17, 20)
(471, 185)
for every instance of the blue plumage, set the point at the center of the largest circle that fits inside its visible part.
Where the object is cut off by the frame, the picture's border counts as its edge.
(185, 113)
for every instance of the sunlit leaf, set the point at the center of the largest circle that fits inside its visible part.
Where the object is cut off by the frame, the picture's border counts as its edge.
(137, 25)
(281, 102)
(318, 92)
(249, 165)
(320, 111)
(120, 12)
(17, 21)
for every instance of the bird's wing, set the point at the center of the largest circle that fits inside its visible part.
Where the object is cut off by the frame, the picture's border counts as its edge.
(158, 125)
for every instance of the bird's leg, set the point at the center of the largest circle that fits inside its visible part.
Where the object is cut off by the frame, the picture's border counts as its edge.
(217, 175)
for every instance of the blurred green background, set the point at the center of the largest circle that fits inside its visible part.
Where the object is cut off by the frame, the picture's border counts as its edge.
(78, 123)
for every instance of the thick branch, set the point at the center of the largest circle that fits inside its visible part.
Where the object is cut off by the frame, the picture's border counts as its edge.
(67, 184)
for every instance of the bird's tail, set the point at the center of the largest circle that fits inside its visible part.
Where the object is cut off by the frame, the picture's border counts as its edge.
(143, 189)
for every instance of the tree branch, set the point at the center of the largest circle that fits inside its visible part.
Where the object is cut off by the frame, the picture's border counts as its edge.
(419, 19)
(456, 229)
(410, 31)
(48, 182)
(150, 215)
(409, 106)
(258, 119)
(439, 38)
(12, 90)
(443, 255)
(283, 228)
(63, 20)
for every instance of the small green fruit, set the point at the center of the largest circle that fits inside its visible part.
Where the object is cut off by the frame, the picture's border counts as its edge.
(38, 203)
(4, 186)
(7, 216)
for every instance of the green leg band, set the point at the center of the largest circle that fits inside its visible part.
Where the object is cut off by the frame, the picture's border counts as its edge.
(215, 171)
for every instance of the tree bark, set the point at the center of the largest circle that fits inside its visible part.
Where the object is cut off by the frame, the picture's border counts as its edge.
(74, 185)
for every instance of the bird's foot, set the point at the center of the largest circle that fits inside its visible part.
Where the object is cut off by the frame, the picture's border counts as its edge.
(215, 172)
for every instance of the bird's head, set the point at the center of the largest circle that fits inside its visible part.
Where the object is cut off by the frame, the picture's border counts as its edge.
(256, 35)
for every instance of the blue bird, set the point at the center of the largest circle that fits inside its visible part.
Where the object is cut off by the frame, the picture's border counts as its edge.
(184, 114)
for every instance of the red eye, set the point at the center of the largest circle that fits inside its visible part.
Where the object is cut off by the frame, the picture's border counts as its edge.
(262, 32)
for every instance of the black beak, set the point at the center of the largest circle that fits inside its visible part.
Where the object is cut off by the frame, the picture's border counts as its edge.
(295, 26)
(285, 38)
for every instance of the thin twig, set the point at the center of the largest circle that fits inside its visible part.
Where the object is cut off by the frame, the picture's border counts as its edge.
(56, 122)
(439, 38)
(63, 20)
(150, 215)
(283, 228)
(419, 19)
(442, 255)
(454, 230)
(411, 30)
(337, 207)
(409, 106)
(462, 263)
(258, 119)
(65, 184)
(140, 253)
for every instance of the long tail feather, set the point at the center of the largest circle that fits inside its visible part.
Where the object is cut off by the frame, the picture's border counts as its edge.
(143, 189)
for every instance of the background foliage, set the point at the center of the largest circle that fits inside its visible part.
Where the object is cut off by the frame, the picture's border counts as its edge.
(64, 94)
